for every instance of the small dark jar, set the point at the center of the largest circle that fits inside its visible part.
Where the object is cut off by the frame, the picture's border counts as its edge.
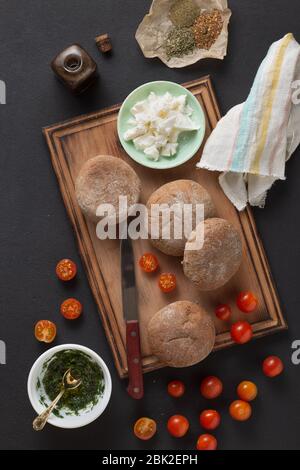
(75, 68)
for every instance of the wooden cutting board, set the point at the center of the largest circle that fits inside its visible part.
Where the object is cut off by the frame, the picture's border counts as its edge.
(73, 142)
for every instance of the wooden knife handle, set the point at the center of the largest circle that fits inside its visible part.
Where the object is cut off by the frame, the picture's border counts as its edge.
(134, 359)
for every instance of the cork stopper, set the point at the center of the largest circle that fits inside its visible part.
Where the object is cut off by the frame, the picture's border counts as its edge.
(103, 43)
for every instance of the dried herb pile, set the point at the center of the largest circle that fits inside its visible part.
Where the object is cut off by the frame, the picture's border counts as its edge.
(180, 41)
(191, 28)
(183, 13)
(207, 29)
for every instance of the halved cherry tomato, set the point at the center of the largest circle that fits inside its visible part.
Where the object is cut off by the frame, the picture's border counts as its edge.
(45, 331)
(223, 312)
(272, 366)
(66, 269)
(206, 442)
(167, 282)
(144, 428)
(71, 309)
(240, 410)
(176, 388)
(178, 426)
(246, 302)
(241, 332)
(247, 390)
(149, 263)
(210, 419)
(211, 387)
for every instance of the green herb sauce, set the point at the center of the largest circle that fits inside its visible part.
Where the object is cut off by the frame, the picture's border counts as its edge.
(38, 384)
(82, 366)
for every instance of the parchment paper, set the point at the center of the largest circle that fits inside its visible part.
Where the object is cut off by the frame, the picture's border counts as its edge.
(155, 26)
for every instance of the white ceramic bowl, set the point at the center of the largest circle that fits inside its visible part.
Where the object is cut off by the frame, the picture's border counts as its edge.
(86, 416)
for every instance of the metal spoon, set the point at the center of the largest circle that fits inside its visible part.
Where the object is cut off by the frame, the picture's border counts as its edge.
(68, 383)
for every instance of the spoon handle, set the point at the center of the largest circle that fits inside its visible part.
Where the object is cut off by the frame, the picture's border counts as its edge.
(40, 421)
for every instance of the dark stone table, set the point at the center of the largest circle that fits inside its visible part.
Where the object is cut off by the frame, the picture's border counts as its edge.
(35, 231)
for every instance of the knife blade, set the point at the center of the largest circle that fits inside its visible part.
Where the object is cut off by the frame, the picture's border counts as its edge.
(131, 316)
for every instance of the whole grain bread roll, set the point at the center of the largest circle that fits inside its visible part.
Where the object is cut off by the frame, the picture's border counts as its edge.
(211, 266)
(178, 192)
(181, 334)
(102, 180)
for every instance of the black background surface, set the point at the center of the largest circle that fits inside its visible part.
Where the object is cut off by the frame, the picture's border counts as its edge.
(35, 231)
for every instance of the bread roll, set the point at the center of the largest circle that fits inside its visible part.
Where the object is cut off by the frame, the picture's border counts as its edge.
(181, 334)
(102, 180)
(218, 260)
(178, 192)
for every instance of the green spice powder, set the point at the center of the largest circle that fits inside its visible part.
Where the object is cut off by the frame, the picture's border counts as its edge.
(180, 41)
(87, 394)
(183, 13)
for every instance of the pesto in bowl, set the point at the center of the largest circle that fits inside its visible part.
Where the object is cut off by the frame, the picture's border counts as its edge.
(83, 367)
(80, 406)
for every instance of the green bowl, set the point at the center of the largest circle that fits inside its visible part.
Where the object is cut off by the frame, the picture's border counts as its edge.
(189, 141)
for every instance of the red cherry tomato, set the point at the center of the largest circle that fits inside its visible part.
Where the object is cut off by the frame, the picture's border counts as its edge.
(241, 332)
(149, 263)
(210, 419)
(178, 426)
(45, 331)
(71, 309)
(144, 428)
(272, 366)
(247, 391)
(66, 269)
(206, 442)
(246, 302)
(176, 388)
(223, 312)
(211, 387)
(240, 410)
(167, 282)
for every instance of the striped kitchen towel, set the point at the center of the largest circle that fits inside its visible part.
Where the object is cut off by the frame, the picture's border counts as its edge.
(251, 144)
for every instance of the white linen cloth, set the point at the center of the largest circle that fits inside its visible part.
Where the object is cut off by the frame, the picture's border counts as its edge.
(253, 141)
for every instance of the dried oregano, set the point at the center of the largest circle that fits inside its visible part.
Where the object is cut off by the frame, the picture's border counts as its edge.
(183, 13)
(180, 41)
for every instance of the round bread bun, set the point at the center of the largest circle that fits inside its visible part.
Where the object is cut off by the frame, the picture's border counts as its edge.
(219, 258)
(102, 180)
(181, 334)
(178, 192)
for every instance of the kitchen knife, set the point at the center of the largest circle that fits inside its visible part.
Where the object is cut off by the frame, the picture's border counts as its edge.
(130, 311)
